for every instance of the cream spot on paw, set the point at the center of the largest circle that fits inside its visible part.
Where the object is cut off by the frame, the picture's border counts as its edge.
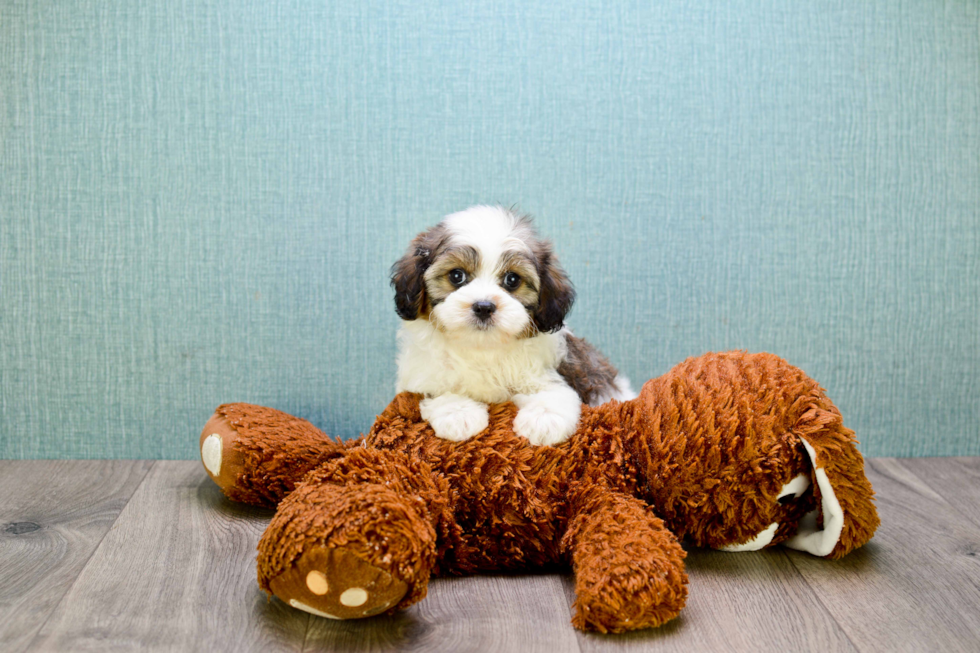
(354, 597)
(316, 581)
(453, 417)
(211, 453)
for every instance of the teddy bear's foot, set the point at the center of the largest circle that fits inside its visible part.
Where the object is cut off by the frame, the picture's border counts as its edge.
(629, 569)
(257, 455)
(357, 537)
(337, 584)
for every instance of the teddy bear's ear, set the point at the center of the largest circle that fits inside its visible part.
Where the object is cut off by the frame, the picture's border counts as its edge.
(848, 513)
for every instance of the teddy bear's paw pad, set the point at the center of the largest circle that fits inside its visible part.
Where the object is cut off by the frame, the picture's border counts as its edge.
(221, 460)
(211, 453)
(335, 583)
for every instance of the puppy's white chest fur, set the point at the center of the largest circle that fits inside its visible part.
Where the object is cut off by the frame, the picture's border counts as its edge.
(483, 367)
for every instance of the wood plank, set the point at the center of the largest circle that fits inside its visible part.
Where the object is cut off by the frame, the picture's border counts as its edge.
(476, 613)
(176, 573)
(53, 514)
(916, 585)
(956, 479)
(751, 602)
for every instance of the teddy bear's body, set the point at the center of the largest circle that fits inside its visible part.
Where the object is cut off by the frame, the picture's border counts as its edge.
(706, 452)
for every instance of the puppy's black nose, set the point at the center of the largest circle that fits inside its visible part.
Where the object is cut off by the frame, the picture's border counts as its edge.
(484, 309)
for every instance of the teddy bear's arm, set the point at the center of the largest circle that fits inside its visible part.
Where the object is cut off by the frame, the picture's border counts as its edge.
(629, 568)
(257, 455)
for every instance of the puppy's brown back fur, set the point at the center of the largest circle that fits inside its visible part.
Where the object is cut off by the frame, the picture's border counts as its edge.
(587, 371)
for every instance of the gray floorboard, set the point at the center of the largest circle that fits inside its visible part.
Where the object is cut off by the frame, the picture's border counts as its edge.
(479, 613)
(916, 585)
(53, 514)
(176, 572)
(956, 479)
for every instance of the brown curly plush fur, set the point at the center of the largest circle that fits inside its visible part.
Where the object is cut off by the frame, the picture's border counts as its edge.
(701, 454)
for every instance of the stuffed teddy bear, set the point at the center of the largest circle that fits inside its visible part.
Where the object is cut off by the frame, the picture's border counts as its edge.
(734, 451)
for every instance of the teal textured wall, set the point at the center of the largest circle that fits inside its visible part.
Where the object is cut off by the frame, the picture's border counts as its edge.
(200, 200)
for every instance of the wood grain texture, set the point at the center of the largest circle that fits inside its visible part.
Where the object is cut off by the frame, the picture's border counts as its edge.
(916, 585)
(956, 479)
(53, 514)
(176, 573)
(476, 613)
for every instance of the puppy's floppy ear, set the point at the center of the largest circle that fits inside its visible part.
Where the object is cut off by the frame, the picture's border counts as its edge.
(408, 273)
(556, 294)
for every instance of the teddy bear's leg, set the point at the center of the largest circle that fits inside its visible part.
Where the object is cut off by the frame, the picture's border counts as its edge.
(357, 537)
(629, 569)
(257, 455)
(847, 512)
(743, 451)
(826, 509)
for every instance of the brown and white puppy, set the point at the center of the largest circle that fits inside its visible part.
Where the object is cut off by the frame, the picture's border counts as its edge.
(483, 300)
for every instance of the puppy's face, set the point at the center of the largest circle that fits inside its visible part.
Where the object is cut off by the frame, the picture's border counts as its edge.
(482, 273)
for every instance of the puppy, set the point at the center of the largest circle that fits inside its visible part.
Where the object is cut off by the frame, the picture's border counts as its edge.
(483, 302)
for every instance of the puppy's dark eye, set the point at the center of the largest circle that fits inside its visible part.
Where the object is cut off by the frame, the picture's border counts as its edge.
(457, 277)
(512, 281)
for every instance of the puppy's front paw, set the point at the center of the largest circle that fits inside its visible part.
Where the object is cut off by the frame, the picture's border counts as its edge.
(454, 417)
(545, 424)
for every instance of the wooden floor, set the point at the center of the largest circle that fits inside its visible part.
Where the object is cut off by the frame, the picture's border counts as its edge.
(124, 555)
